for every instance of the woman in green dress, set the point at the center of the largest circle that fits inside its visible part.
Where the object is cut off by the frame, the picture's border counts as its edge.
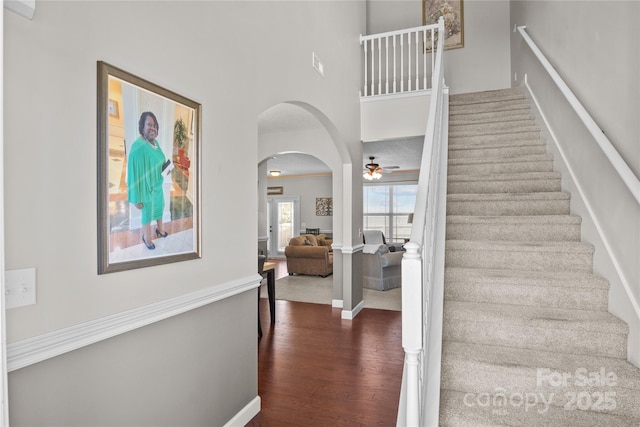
(144, 177)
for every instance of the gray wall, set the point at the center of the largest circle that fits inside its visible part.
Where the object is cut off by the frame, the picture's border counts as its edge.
(188, 370)
(237, 59)
(308, 188)
(599, 59)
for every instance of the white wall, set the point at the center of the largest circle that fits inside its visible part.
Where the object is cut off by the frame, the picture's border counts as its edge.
(600, 63)
(201, 50)
(389, 117)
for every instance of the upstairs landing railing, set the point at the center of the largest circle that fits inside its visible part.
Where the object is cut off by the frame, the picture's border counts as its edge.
(401, 61)
(423, 267)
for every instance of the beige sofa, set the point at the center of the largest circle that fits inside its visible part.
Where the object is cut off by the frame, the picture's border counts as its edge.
(309, 254)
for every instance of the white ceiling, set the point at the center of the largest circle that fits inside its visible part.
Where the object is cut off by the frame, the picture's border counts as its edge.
(405, 152)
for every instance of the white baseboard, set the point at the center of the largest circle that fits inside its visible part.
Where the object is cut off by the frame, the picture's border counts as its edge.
(337, 303)
(351, 314)
(246, 414)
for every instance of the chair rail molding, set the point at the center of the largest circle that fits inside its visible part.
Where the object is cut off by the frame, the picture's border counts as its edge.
(36, 349)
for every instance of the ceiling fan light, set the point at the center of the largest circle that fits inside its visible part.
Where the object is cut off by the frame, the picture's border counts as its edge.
(371, 175)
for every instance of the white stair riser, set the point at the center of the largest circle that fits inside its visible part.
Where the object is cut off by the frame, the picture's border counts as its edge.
(591, 343)
(532, 296)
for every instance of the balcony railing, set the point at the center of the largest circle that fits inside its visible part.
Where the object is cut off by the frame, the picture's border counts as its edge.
(399, 61)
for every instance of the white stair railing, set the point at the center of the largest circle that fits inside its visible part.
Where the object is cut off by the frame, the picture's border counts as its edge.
(396, 61)
(423, 267)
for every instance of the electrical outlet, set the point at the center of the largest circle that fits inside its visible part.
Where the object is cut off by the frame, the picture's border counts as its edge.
(20, 287)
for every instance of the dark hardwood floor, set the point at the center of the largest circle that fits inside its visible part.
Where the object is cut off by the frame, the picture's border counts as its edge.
(315, 369)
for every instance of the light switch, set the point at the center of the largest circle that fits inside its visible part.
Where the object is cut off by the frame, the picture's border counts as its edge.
(20, 287)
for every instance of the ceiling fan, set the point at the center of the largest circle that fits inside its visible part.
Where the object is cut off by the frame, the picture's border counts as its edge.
(373, 170)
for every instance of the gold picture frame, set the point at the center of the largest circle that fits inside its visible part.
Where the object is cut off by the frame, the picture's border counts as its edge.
(453, 11)
(126, 103)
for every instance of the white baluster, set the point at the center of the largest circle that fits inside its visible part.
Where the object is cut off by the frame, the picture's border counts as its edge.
(433, 52)
(379, 66)
(366, 77)
(417, 61)
(401, 63)
(424, 58)
(386, 73)
(409, 62)
(394, 65)
(373, 66)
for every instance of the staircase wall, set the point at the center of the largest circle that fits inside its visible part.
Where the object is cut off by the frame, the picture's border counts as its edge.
(611, 216)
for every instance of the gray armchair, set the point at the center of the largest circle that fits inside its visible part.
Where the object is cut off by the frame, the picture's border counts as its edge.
(381, 268)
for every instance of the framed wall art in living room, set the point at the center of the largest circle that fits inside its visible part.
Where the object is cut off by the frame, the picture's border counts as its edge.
(148, 167)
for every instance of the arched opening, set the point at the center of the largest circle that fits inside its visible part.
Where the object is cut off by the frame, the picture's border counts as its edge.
(302, 135)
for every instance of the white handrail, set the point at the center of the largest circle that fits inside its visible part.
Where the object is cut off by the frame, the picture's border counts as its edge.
(618, 163)
(423, 268)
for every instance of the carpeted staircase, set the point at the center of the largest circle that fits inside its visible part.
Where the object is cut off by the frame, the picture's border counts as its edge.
(528, 340)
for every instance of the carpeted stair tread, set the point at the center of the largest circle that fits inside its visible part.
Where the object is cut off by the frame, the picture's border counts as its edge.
(572, 290)
(505, 177)
(487, 118)
(628, 376)
(479, 144)
(514, 204)
(514, 228)
(556, 256)
(488, 165)
(497, 105)
(518, 294)
(495, 94)
(456, 131)
(508, 135)
(476, 367)
(457, 409)
(520, 220)
(493, 316)
(510, 149)
(529, 278)
(515, 185)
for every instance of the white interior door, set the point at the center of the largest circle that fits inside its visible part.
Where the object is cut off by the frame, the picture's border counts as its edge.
(283, 217)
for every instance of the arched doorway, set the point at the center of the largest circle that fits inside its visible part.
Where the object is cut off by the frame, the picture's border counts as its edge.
(295, 127)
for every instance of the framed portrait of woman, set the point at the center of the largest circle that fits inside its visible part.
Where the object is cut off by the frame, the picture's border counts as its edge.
(148, 167)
